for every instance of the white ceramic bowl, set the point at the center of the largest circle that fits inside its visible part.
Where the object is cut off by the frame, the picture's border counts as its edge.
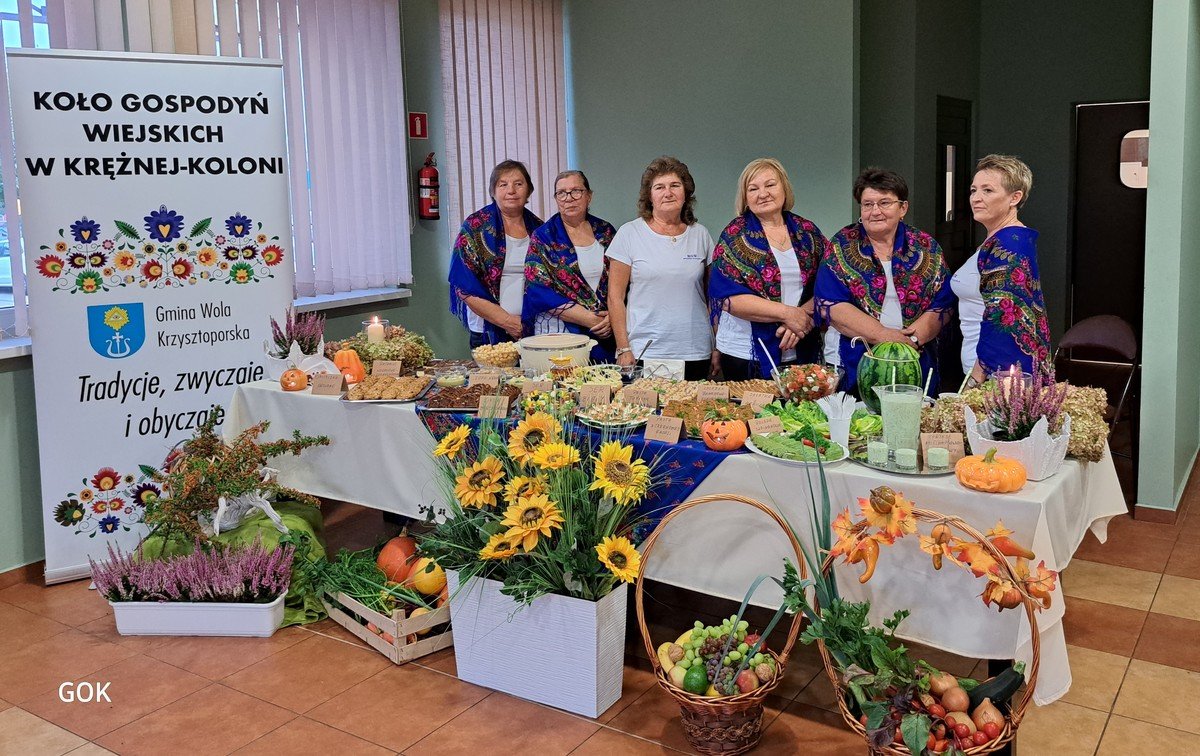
(536, 351)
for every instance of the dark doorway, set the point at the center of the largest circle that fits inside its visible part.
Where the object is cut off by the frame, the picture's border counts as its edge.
(954, 228)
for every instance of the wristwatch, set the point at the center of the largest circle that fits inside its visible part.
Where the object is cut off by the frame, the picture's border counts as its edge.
(622, 351)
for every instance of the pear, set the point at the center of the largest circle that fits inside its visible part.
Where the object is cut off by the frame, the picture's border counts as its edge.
(676, 676)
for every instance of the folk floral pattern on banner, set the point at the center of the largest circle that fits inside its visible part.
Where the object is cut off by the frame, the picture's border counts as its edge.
(107, 503)
(90, 258)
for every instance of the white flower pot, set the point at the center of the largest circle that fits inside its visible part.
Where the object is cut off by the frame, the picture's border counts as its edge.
(309, 363)
(198, 618)
(560, 651)
(1041, 454)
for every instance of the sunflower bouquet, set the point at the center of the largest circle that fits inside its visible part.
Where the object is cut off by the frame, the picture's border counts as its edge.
(538, 508)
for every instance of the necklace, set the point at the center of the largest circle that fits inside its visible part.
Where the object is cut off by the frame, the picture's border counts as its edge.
(665, 231)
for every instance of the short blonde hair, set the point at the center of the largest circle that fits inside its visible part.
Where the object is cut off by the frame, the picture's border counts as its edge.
(750, 171)
(1014, 174)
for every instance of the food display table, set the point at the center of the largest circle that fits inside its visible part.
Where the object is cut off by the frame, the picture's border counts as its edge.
(381, 457)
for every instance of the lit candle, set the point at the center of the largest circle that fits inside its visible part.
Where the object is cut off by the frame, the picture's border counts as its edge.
(375, 331)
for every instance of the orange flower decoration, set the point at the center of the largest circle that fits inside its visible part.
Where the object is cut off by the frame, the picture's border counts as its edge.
(847, 532)
(893, 519)
(975, 558)
(999, 536)
(1001, 592)
(1040, 584)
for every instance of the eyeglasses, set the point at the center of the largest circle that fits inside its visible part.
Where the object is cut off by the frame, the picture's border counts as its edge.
(883, 205)
(565, 194)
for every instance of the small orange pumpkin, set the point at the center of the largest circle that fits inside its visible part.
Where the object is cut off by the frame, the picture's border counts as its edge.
(293, 379)
(990, 473)
(723, 435)
(351, 365)
(396, 557)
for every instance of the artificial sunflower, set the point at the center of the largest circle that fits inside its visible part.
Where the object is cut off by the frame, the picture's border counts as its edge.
(498, 546)
(555, 456)
(619, 556)
(453, 442)
(619, 475)
(522, 487)
(531, 434)
(479, 483)
(530, 518)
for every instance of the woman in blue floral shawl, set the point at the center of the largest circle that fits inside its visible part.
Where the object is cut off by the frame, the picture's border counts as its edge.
(487, 270)
(1001, 309)
(764, 269)
(566, 273)
(883, 279)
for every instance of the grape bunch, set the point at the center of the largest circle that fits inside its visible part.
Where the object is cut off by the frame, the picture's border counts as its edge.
(707, 646)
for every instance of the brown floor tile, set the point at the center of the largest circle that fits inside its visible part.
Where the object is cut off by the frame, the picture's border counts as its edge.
(216, 658)
(960, 666)
(1185, 560)
(1109, 584)
(1124, 527)
(400, 706)
(137, 686)
(1162, 695)
(1103, 627)
(331, 629)
(1189, 529)
(655, 716)
(1060, 729)
(501, 724)
(819, 694)
(1124, 736)
(105, 629)
(20, 628)
(22, 734)
(608, 742)
(41, 667)
(1178, 597)
(213, 720)
(1124, 549)
(637, 680)
(307, 674)
(69, 603)
(91, 749)
(4, 705)
(807, 729)
(306, 736)
(443, 661)
(1172, 641)
(1095, 677)
(803, 665)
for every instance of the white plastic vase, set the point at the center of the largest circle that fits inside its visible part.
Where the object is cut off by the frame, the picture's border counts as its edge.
(1041, 454)
(198, 618)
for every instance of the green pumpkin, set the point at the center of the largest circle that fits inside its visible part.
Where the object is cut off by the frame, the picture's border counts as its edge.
(885, 364)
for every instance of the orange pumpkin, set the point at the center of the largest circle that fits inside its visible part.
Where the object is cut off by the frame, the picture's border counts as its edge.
(351, 365)
(396, 558)
(990, 473)
(724, 435)
(293, 379)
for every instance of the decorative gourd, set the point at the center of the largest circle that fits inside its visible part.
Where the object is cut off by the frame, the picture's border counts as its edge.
(723, 435)
(293, 379)
(990, 473)
(348, 361)
(885, 364)
(396, 558)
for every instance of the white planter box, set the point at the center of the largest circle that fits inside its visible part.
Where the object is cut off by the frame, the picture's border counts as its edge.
(559, 651)
(187, 618)
(1041, 454)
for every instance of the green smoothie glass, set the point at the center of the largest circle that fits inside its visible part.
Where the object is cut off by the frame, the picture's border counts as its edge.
(900, 406)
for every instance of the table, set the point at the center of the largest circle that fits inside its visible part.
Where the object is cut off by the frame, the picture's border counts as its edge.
(381, 458)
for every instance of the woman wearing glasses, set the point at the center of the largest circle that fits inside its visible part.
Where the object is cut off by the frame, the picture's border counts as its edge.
(764, 269)
(566, 278)
(883, 280)
(657, 268)
(487, 270)
(1001, 309)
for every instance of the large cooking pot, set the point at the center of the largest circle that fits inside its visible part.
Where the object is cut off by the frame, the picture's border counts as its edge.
(536, 351)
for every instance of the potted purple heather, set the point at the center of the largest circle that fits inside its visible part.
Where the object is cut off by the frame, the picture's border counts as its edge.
(298, 343)
(216, 590)
(1023, 420)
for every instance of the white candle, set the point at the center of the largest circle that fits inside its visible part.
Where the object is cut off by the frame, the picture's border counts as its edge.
(375, 331)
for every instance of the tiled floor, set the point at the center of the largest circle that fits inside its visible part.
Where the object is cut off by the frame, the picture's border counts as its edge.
(1132, 622)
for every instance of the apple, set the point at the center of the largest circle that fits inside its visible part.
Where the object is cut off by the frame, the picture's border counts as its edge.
(746, 681)
(676, 676)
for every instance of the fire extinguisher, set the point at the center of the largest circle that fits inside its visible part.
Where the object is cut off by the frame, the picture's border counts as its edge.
(427, 189)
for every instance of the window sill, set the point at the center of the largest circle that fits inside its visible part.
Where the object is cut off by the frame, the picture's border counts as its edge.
(22, 347)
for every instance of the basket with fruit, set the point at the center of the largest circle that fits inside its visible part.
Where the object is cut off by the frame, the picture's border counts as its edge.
(720, 675)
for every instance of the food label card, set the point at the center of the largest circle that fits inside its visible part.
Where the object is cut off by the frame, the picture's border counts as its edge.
(387, 367)
(529, 387)
(652, 368)
(480, 378)
(328, 384)
(594, 393)
(644, 397)
(712, 391)
(757, 399)
(491, 405)
(665, 429)
(768, 424)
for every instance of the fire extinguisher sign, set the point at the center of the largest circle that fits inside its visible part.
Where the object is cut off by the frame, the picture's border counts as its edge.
(418, 125)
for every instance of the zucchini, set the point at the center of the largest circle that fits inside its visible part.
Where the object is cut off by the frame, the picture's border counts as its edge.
(999, 688)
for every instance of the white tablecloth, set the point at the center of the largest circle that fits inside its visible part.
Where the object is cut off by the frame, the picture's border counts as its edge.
(381, 457)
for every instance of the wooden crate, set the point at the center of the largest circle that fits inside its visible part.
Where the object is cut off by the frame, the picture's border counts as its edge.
(346, 611)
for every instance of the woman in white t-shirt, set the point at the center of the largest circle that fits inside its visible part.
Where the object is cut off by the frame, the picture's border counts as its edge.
(487, 268)
(763, 272)
(658, 265)
(566, 275)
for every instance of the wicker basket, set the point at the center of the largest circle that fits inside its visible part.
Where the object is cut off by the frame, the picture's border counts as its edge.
(1009, 732)
(732, 724)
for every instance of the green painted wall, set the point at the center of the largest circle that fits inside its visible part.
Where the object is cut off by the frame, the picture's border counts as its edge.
(1171, 352)
(716, 84)
(1035, 60)
(20, 490)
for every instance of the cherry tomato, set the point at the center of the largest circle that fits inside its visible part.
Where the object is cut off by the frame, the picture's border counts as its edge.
(962, 731)
(897, 738)
(939, 730)
(930, 741)
(937, 710)
(992, 730)
(939, 746)
(807, 442)
(979, 738)
(863, 720)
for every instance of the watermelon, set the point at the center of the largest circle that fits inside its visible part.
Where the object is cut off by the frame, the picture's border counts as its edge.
(885, 364)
